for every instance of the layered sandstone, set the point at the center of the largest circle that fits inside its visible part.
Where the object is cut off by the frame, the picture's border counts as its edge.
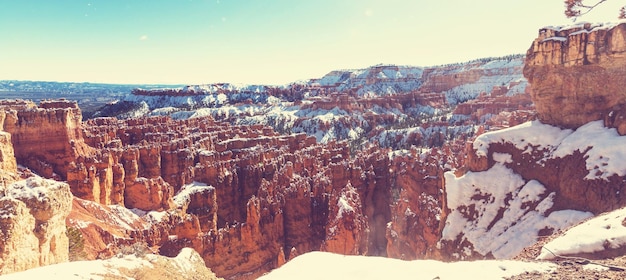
(46, 138)
(32, 224)
(494, 104)
(577, 74)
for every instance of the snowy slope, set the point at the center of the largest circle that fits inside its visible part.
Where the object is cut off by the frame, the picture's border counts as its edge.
(498, 212)
(320, 265)
(502, 222)
(602, 233)
(187, 265)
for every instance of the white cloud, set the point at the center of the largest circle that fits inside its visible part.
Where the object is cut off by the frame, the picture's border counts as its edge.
(143, 38)
(368, 12)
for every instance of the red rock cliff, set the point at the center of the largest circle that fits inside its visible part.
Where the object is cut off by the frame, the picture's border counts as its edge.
(577, 74)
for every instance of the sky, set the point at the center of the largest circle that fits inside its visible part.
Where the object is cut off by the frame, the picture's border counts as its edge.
(258, 41)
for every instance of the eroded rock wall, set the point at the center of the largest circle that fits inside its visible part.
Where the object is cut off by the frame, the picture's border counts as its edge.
(32, 224)
(577, 74)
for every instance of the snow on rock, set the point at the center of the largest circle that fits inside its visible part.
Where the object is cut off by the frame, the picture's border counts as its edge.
(604, 232)
(34, 188)
(123, 217)
(603, 148)
(32, 223)
(344, 206)
(526, 136)
(187, 265)
(500, 213)
(97, 269)
(183, 196)
(334, 266)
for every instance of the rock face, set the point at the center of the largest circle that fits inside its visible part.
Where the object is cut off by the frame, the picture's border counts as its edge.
(577, 74)
(55, 125)
(418, 211)
(32, 224)
(493, 104)
(8, 164)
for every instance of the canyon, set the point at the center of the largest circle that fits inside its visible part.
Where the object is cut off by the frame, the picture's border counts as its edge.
(456, 162)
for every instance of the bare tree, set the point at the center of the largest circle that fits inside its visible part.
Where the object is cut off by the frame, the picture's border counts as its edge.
(576, 8)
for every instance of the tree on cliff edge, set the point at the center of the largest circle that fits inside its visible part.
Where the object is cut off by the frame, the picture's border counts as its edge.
(576, 8)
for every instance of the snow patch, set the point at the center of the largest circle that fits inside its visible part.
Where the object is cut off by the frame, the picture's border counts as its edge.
(307, 266)
(598, 234)
(524, 137)
(183, 196)
(604, 149)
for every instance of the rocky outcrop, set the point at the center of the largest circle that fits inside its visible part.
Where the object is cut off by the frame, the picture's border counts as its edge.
(8, 164)
(577, 74)
(493, 104)
(32, 224)
(462, 82)
(418, 211)
(129, 265)
(346, 224)
(55, 125)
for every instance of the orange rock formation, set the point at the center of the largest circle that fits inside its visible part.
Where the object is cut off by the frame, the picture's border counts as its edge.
(577, 75)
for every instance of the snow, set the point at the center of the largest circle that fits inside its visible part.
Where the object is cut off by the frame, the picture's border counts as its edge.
(558, 39)
(502, 63)
(344, 206)
(393, 79)
(307, 266)
(109, 268)
(527, 136)
(34, 187)
(593, 26)
(502, 222)
(595, 267)
(185, 260)
(605, 150)
(156, 216)
(347, 194)
(124, 217)
(81, 269)
(606, 231)
(502, 158)
(182, 197)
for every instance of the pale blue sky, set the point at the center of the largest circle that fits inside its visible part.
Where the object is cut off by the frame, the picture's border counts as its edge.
(258, 41)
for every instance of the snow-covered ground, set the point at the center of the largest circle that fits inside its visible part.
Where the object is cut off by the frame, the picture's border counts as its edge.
(123, 267)
(605, 232)
(321, 265)
(96, 269)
